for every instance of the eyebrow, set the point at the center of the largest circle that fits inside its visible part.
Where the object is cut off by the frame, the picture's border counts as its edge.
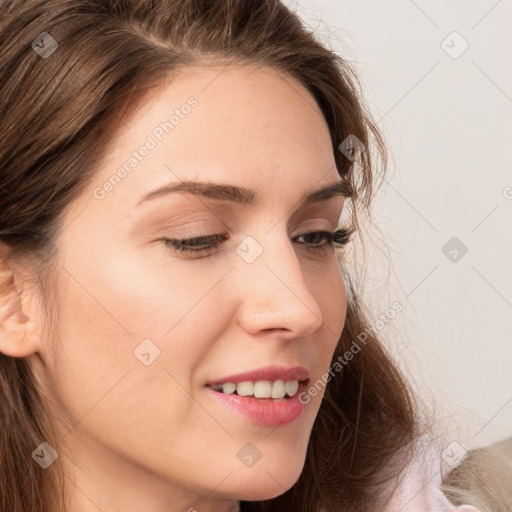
(242, 195)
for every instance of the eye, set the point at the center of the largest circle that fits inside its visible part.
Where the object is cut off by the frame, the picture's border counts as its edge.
(339, 237)
(196, 244)
(206, 244)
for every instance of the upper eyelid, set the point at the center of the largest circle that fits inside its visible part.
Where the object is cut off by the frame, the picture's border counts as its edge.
(222, 225)
(201, 233)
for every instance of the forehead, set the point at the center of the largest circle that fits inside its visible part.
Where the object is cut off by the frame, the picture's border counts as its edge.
(242, 124)
(247, 104)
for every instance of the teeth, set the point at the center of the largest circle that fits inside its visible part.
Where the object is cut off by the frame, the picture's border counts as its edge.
(245, 388)
(291, 387)
(260, 388)
(278, 389)
(228, 388)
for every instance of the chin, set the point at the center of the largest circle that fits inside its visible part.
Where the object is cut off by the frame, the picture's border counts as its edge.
(263, 485)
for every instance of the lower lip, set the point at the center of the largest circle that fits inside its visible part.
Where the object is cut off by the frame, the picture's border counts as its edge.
(270, 412)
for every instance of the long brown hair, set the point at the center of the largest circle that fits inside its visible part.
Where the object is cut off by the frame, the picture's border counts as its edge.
(56, 106)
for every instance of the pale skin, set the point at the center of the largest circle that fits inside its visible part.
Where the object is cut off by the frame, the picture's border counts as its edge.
(149, 437)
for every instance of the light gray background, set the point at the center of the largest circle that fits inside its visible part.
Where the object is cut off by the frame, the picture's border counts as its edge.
(447, 120)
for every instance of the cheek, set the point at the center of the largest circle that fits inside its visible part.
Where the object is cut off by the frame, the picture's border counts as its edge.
(129, 297)
(326, 284)
(116, 314)
(329, 290)
(104, 313)
(334, 307)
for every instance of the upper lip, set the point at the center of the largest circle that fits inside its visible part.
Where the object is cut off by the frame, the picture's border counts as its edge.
(272, 373)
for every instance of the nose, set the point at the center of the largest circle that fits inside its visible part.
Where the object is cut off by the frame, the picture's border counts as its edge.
(276, 296)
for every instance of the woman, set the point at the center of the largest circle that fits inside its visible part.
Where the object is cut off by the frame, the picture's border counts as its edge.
(178, 330)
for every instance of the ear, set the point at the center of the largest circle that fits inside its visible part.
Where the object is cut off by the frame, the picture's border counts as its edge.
(18, 333)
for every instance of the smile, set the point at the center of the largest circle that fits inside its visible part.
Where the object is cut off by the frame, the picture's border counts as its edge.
(263, 410)
(260, 388)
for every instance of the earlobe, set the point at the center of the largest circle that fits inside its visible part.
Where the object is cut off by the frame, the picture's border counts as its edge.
(17, 335)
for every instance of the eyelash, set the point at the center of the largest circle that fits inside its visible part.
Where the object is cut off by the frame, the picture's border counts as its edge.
(337, 238)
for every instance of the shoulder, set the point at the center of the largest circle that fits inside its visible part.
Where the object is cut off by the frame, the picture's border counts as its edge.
(485, 475)
(418, 486)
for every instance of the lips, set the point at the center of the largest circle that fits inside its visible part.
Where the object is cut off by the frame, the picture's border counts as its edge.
(271, 373)
(270, 412)
(264, 412)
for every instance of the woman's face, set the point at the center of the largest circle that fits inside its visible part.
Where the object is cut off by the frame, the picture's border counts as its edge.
(143, 328)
